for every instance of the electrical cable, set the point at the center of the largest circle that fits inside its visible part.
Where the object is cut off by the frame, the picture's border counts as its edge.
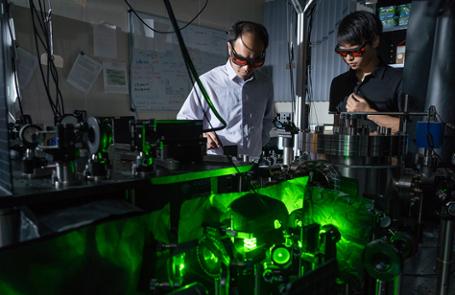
(188, 68)
(291, 61)
(187, 58)
(42, 20)
(166, 32)
(14, 61)
(430, 142)
(188, 63)
(191, 70)
(193, 74)
(230, 158)
(58, 92)
(51, 64)
(36, 34)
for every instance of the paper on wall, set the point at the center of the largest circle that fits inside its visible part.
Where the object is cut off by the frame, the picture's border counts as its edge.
(115, 78)
(105, 41)
(148, 32)
(84, 72)
(26, 66)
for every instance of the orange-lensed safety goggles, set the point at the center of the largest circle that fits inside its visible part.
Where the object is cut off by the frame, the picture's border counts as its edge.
(355, 52)
(243, 61)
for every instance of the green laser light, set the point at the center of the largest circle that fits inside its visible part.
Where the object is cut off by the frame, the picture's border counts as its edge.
(281, 255)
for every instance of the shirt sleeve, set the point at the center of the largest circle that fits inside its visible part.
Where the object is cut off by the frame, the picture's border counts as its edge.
(269, 115)
(337, 100)
(193, 107)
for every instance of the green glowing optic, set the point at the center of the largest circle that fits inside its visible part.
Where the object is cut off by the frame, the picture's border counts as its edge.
(276, 224)
(106, 137)
(209, 256)
(249, 244)
(281, 255)
(146, 148)
(210, 262)
(178, 266)
(288, 242)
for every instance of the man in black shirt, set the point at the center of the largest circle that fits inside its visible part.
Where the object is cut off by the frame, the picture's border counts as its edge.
(369, 85)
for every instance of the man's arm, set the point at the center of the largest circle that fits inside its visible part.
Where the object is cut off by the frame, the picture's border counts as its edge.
(385, 121)
(356, 103)
(192, 108)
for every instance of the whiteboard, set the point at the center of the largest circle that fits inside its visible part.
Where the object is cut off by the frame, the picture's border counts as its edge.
(159, 80)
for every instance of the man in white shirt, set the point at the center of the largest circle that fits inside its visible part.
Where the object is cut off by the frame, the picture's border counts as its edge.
(241, 95)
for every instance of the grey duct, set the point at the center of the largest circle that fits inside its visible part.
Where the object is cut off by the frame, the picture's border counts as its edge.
(430, 63)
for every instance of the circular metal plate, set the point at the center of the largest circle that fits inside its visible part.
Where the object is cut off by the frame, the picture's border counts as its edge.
(381, 260)
(27, 134)
(94, 135)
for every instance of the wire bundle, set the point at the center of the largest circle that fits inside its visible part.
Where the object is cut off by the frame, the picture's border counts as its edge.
(192, 73)
(42, 31)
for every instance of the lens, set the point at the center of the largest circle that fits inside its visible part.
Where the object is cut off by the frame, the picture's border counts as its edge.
(343, 53)
(355, 53)
(239, 62)
(243, 61)
(281, 255)
(258, 63)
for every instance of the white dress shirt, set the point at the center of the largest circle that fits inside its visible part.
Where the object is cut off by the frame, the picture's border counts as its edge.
(246, 106)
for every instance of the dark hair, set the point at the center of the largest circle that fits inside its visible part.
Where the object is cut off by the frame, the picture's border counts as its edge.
(358, 28)
(241, 27)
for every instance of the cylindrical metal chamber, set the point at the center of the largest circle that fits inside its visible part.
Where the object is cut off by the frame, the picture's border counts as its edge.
(371, 158)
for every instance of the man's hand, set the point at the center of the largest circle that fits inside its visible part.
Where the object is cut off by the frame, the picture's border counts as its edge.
(356, 103)
(212, 140)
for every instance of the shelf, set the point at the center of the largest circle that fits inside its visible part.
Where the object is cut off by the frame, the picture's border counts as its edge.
(396, 28)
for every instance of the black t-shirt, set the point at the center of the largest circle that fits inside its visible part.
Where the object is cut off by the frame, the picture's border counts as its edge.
(382, 89)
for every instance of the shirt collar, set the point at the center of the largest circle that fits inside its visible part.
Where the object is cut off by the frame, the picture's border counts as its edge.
(378, 72)
(230, 70)
(233, 76)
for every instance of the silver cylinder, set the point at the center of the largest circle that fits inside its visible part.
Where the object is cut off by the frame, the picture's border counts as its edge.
(65, 173)
(288, 155)
(288, 149)
(371, 159)
(379, 288)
